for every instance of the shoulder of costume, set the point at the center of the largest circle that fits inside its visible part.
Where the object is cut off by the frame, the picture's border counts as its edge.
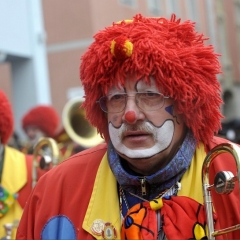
(78, 164)
(219, 140)
(98, 150)
(14, 153)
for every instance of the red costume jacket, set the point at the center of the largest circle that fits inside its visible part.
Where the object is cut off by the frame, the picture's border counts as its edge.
(60, 205)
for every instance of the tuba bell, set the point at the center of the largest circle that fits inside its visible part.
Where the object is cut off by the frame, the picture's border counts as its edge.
(224, 183)
(48, 151)
(76, 125)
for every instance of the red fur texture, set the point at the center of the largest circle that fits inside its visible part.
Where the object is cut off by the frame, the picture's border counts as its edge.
(185, 68)
(6, 118)
(42, 117)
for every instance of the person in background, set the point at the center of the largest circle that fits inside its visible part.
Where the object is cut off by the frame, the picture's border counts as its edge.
(231, 130)
(67, 146)
(151, 90)
(15, 173)
(39, 121)
(14, 141)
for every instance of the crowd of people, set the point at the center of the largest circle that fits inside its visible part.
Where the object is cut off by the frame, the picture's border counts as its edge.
(152, 92)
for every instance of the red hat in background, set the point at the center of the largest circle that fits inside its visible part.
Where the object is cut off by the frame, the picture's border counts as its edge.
(43, 117)
(6, 118)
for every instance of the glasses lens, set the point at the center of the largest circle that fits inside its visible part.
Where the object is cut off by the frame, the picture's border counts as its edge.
(116, 103)
(113, 103)
(150, 101)
(147, 101)
(103, 103)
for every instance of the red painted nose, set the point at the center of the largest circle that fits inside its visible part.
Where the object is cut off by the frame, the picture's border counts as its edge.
(130, 116)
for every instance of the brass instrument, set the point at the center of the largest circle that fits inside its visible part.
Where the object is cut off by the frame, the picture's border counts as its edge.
(224, 183)
(47, 149)
(10, 229)
(76, 125)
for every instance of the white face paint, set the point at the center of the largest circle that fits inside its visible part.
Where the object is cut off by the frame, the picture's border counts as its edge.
(162, 137)
(145, 139)
(34, 134)
(37, 137)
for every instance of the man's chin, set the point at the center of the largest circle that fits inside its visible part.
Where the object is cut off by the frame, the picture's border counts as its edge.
(129, 155)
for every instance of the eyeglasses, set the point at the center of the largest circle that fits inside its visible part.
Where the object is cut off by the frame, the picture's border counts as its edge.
(146, 101)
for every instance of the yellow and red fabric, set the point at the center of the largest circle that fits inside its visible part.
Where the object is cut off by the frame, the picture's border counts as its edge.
(181, 218)
(16, 185)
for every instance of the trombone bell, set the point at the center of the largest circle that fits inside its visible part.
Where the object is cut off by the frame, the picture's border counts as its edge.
(76, 125)
(48, 151)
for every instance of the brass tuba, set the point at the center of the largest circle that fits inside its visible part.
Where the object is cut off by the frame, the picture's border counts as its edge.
(76, 125)
(47, 149)
(224, 183)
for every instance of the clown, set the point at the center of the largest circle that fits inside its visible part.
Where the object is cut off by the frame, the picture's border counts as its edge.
(15, 174)
(39, 121)
(152, 92)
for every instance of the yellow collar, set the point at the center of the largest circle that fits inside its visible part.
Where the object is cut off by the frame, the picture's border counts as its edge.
(14, 175)
(191, 183)
(105, 191)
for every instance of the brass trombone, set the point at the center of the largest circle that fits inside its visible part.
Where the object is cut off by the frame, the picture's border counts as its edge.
(47, 149)
(77, 126)
(224, 183)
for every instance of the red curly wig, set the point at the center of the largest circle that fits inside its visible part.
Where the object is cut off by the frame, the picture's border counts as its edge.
(6, 118)
(172, 52)
(43, 117)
